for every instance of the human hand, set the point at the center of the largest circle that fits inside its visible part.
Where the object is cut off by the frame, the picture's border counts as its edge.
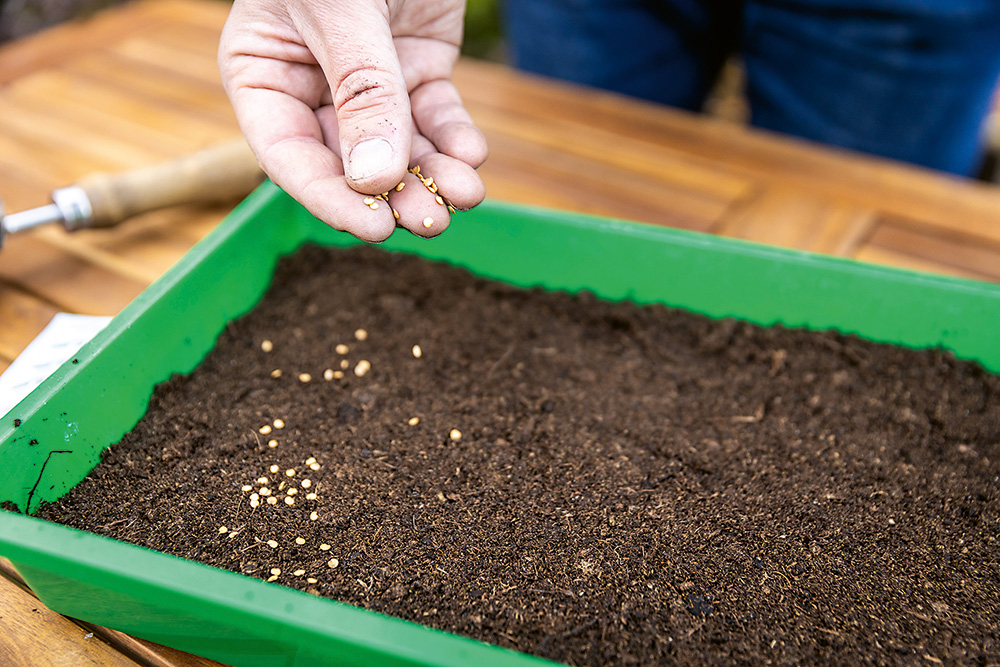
(338, 98)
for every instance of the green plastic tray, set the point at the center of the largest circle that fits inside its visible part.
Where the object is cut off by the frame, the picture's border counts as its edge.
(96, 398)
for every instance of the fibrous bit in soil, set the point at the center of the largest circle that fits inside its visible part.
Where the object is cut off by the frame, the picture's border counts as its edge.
(596, 483)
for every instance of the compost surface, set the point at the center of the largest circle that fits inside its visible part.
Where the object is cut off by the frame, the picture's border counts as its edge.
(591, 482)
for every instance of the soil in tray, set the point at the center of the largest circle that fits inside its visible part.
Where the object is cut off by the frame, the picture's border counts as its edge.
(592, 482)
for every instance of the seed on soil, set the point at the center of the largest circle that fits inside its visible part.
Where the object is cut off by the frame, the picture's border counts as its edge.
(292, 491)
(306, 483)
(328, 374)
(263, 480)
(314, 466)
(324, 547)
(266, 345)
(361, 334)
(272, 543)
(246, 487)
(341, 349)
(275, 571)
(276, 373)
(311, 496)
(313, 516)
(300, 540)
(272, 443)
(428, 222)
(311, 580)
(281, 486)
(265, 429)
(278, 423)
(223, 529)
(298, 573)
(274, 468)
(254, 502)
(272, 500)
(413, 421)
(290, 472)
(417, 352)
(310, 460)
(289, 500)
(332, 563)
(455, 434)
(264, 491)
(363, 367)
(305, 377)
(345, 364)
(273, 577)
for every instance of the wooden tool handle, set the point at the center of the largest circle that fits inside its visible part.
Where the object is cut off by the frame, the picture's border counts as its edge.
(221, 173)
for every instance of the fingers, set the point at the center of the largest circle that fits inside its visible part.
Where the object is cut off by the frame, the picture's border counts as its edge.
(353, 45)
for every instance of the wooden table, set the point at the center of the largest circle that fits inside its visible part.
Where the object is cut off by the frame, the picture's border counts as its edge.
(139, 84)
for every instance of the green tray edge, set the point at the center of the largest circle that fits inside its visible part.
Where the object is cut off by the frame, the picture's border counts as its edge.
(528, 247)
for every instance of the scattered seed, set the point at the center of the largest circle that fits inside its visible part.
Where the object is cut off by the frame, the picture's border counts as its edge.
(417, 352)
(281, 486)
(272, 500)
(276, 373)
(272, 443)
(413, 421)
(290, 472)
(344, 363)
(265, 429)
(266, 345)
(275, 571)
(400, 186)
(311, 580)
(313, 516)
(310, 460)
(264, 491)
(361, 334)
(254, 496)
(328, 374)
(223, 529)
(272, 543)
(310, 496)
(246, 487)
(439, 199)
(338, 374)
(298, 573)
(254, 503)
(455, 434)
(263, 480)
(341, 349)
(363, 367)
(314, 466)
(299, 540)
(292, 491)
(305, 377)
(451, 209)
(289, 500)
(279, 423)
(333, 562)
(373, 206)
(428, 222)
(306, 483)
(273, 577)
(324, 547)
(274, 468)
(368, 201)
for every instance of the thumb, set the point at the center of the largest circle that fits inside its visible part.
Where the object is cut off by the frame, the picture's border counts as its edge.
(352, 42)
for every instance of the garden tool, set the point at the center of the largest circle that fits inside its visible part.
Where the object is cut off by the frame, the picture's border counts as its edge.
(224, 172)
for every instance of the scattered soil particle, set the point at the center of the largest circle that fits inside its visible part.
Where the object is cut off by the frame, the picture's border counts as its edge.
(631, 485)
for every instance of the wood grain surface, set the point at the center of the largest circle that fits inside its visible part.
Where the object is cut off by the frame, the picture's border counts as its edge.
(138, 84)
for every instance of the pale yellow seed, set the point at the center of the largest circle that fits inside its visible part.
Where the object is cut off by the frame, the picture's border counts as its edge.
(290, 472)
(310, 460)
(299, 573)
(273, 577)
(254, 503)
(314, 466)
(279, 423)
(263, 480)
(281, 486)
(223, 529)
(292, 491)
(310, 496)
(413, 421)
(264, 491)
(276, 373)
(299, 540)
(341, 349)
(400, 186)
(361, 334)
(246, 487)
(455, 434)
(265, 429)
(311, 580)
(254, 497)
(273, 500)
(275, 571)
(368, 201)
(272, 443)
(344, 363)
(266, 345)
(313, 516)
(373, 206)
(306, 483)
(324, 547)
(363, 367)
(274, 468)
(305, 377)
(289, 500)
(395, 214)
(428, 222)
(338, 374)
(328, 374)
(333, 562)
(439, 199)
(417, 352)
(272, 543)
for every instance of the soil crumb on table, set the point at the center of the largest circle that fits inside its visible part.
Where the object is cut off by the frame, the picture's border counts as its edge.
(595, 483)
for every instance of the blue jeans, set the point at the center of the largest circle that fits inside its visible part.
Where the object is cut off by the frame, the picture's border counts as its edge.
(905, 79)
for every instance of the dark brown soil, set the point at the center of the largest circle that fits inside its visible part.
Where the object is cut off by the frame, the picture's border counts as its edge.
(631, 486)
